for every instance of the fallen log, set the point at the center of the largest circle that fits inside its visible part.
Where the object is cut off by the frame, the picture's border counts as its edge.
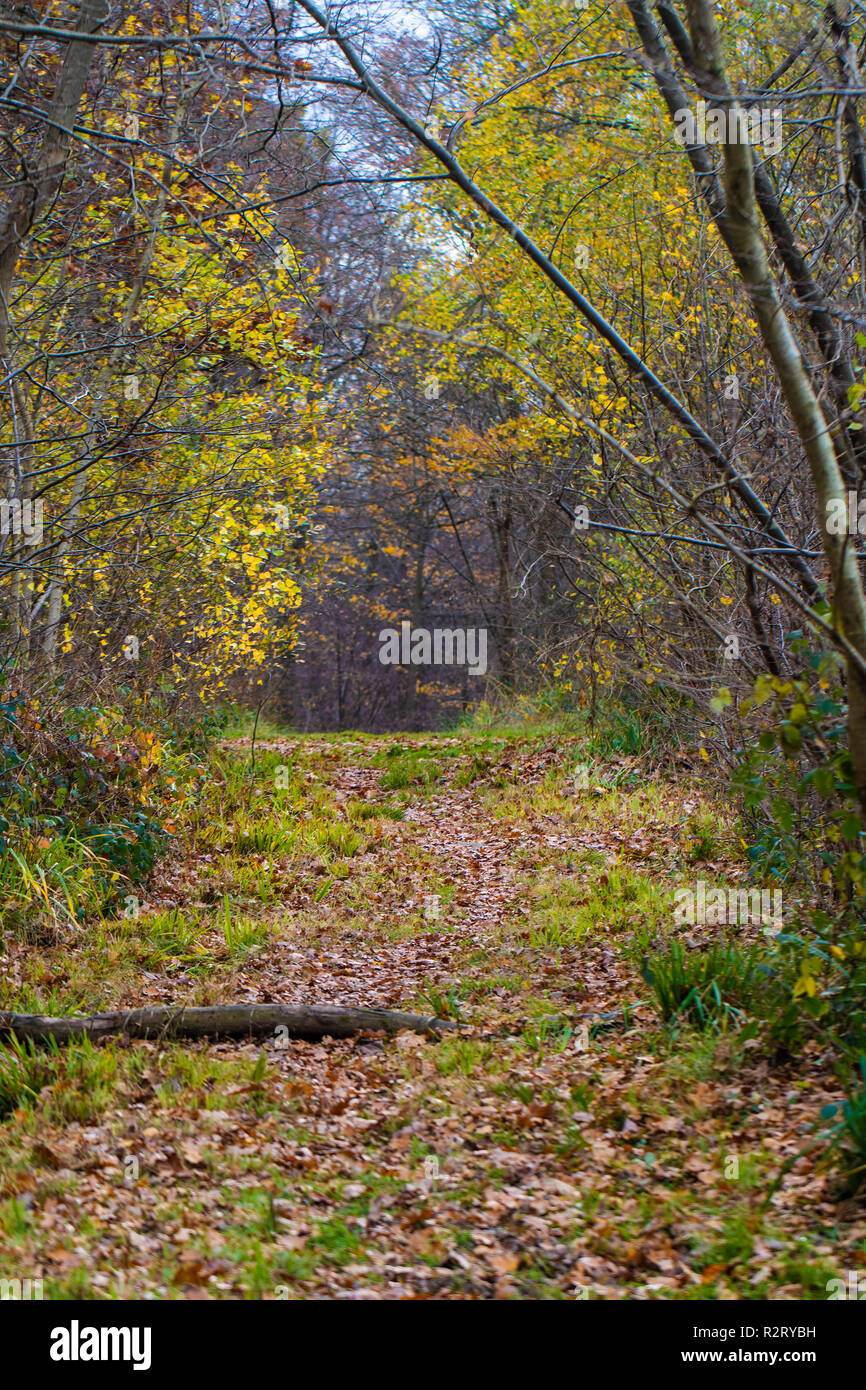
(308, 1021)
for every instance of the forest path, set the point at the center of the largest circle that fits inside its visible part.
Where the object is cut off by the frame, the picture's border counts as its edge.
(563, 1143)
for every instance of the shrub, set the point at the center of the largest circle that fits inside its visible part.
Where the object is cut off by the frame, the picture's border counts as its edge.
(87, 796)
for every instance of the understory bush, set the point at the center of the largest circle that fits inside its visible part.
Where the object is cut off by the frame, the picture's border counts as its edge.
(88, 800)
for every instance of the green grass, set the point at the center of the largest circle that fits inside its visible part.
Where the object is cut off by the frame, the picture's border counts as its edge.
(373, 810)
(338, 841)
(23, 1073)
(240, 724)
(80, 1079)
(410, 770)
(262, 835)
(241, 934)
(46, 889)
(161, 937)
(712, 988)
(566, 911)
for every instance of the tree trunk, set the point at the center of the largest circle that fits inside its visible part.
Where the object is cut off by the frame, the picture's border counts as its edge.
(748, 252)
(309, 1021)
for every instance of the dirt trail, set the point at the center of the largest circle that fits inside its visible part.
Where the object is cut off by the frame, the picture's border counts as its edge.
(465, 873)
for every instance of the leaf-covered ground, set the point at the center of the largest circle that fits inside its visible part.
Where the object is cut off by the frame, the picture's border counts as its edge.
(564, 1144)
